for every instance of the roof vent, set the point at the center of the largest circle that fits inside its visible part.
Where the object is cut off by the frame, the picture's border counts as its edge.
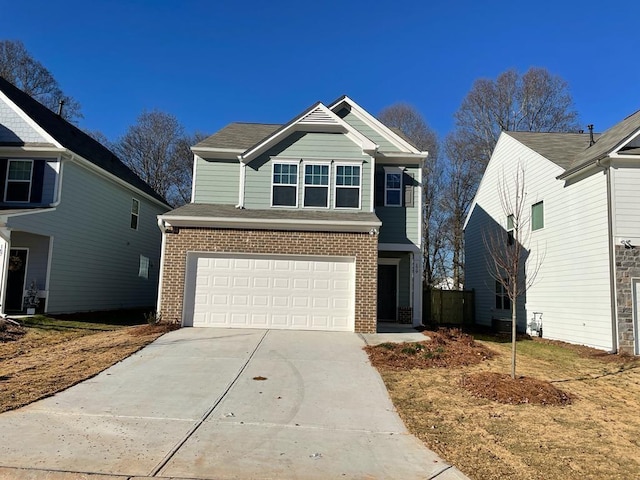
(60, 105)
(591, 140)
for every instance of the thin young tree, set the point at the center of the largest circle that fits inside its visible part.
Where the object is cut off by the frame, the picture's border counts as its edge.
(509, 260)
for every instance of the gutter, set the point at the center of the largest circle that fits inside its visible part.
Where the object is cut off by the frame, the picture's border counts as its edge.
(612, 265)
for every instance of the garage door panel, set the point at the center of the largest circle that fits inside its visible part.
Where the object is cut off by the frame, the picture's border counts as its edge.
(279, 292)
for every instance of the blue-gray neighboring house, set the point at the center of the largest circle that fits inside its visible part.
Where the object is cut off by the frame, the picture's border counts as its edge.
(78, 228)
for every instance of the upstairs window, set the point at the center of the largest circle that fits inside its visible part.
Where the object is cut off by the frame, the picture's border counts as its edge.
(135, 213)
(347, 186)
(316, 186)
(502, 298)
(18, 186)
(284, 190)
(510, 229)
(537, 216)
(393, 188)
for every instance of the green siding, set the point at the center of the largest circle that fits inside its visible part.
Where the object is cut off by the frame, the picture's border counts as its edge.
(401, 224)
(305, 146)
(367, 131)
(96, 253)
(217, 181)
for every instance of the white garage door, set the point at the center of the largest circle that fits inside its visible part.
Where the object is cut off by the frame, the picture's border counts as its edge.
(284, 292)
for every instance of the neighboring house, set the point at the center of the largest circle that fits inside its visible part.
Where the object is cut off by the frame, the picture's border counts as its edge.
(74, 220)
(312, 225)
(583, 194)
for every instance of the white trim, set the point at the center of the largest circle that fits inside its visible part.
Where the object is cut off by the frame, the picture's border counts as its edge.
(32, 123)
(271, 224)
(193, 178)
(6, 180)
(372, 186)
(5, 240)
(420, 213)
(214, 153)
(30, 151)
(375, 124)
(163, 248)
(614, 153)
(242, 180)
(636, 315)
(393, 171)
(48, 274)
(57, 191)
(358, 164)
(304, 164)
(132, 213)
(285, 162)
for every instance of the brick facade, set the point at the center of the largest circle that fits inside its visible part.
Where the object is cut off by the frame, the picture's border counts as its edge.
(362, 246)
(627, 268)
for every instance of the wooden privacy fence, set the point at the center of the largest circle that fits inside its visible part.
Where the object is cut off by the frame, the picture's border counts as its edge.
(447, 307)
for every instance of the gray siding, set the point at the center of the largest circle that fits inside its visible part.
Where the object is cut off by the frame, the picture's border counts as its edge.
(305, 146)
(367, 131)
(38, 256)
(95, 251)
(401, 224)
(14, 129)
(217, 181)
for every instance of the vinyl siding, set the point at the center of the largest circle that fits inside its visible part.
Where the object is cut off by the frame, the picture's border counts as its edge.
(572, 288)
(14, 129)
(95, 251)
(401, 224)
(305, 147)
(217, 181)
(38, 256)
(384, 144)
(626, 198)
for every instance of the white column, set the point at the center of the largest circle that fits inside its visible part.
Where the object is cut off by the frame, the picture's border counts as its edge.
(5, 245)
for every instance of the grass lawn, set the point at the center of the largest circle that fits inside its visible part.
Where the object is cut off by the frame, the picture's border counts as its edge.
(597, 436)
(51, 354)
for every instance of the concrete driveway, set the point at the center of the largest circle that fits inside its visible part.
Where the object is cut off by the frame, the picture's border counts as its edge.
(222, 404)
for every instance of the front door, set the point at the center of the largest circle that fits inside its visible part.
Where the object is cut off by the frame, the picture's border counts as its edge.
(15, 279)
(387, 292)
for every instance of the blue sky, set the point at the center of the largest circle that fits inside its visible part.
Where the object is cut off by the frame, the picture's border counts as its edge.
(212, 62)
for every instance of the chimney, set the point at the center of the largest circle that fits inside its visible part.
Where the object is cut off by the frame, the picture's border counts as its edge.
(591, 140)
(60, 105)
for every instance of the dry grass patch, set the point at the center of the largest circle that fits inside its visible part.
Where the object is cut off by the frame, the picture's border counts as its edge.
(53, 355)
(595, 437)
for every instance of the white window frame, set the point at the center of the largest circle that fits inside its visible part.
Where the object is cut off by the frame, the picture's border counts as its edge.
(134, 214)
(393, 171)
(305, 164)
(541, 203)
(297, 184)
(336, 186)
(6, 180)
(143, 269)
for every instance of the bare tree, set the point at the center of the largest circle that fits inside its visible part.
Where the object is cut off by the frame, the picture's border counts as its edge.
(536, 101)
(410, 122)
(18, 67)
(509, 261)
(156, 149)
(463, 172)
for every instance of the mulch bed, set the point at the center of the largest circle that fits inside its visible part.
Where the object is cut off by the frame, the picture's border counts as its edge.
(502, 388)
(447, 348)
(153, 329)
(10, 332)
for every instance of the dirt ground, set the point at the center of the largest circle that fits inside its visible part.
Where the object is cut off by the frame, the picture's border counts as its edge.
(595, 436)
(40, 360)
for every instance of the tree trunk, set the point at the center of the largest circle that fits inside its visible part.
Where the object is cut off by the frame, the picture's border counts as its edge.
(513, 336)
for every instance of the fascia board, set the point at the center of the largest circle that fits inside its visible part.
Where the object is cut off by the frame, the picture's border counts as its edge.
(217, 153)
(375, 124)
(24, 150)
(270, 224)
(32, 123)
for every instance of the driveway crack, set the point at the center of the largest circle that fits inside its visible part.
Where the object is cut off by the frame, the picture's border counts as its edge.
(207, 414)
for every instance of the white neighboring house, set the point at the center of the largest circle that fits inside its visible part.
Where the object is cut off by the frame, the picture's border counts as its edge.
(584, 192)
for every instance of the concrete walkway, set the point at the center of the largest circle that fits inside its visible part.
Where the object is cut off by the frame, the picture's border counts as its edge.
(222, 404)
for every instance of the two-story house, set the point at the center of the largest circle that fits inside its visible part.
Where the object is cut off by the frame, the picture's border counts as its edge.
(582, 194)
(76, 224)
(315, 224)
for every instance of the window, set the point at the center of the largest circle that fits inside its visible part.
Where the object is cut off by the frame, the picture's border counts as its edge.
(316, 186)
(135, 213)
(285, 185)
(18, 186)
(502, 299)
(537, 216)
(393, 188)
(143, 270)
(347, 186)
(510, 228)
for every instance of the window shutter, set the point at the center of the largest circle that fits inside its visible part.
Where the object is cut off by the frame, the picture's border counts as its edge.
(3, 177)
(379, 188)
(408, 189)
(37, 179)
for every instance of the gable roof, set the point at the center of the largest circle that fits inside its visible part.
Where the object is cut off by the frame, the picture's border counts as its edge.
(74, 139)
(560, 148)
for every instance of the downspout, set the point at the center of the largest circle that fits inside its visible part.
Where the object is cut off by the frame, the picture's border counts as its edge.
(163, 229)
(5, 235)
(243, 167)
(612, 264)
